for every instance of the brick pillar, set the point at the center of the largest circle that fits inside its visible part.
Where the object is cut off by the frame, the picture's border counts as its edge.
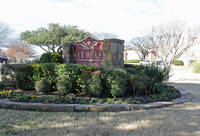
(68, 52)
(113, 53)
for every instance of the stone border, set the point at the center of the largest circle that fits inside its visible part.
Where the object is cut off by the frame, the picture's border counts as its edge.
(185, 97)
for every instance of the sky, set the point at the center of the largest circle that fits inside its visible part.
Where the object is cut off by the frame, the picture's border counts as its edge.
(126, 18)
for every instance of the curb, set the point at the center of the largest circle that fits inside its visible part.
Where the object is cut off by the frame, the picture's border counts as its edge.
(185, 97)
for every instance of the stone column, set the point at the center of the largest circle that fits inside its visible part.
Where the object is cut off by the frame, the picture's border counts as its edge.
(68, 52)
(113, 53)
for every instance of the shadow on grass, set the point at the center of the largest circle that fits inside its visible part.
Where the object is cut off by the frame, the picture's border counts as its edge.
(182, 119)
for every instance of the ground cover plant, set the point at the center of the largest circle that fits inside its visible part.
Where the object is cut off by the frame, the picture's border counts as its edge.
(90, 85)
(169, 94)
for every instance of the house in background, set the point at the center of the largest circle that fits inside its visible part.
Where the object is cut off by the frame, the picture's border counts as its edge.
(132, 55)
(3, 53)
(192, 54)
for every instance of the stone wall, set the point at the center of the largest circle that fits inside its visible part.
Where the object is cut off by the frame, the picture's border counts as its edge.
(68, 52)
(113, 53)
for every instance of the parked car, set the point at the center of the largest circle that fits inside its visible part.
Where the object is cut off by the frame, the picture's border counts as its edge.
(4, 60)
(159, 63)
(146, 62)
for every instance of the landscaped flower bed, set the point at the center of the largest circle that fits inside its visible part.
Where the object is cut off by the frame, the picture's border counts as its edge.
(169, 94)
(78, 84)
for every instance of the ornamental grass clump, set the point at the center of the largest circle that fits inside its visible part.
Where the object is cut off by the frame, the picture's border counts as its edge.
(156, 73)
(196, 67)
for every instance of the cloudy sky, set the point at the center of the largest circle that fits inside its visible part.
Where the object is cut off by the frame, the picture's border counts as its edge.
(126, 18)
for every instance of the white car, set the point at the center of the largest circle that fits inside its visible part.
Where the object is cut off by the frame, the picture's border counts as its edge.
(146, 62)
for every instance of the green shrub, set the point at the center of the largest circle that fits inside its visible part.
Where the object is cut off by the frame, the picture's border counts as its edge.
(56, 57)
(64, 85)
(132, 66)
(2, 85)
(138, 84)
(178, 63)
(156, 88)
(24, 77)
(51, 57)
(48, 71)
(44, 86)
(114, 81)
(45, 70)
(132, 61)
(45, 57)
(75, 73)
(133, 69)
(92, 83)
(71, 78)
(37, 72)
(196, 67)
(8, 72)
(28, 74)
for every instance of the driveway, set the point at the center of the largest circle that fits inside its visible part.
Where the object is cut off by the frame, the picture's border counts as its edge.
(184, 74)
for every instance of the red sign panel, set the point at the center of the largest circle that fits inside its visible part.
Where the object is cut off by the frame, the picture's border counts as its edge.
(89, 52)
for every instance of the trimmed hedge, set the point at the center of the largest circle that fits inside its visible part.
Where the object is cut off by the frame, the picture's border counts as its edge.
(51, 57)
(24, 77)
(132, 61)
(178, 63)
(71, 79)
(8, 72)
(90, 81)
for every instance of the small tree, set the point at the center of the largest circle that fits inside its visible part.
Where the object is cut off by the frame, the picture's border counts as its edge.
(172, 40)
(20, 50)
(141, 45)
(4, 34)
(51, 39)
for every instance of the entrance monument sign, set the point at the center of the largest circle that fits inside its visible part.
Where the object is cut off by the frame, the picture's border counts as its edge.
(89, 52)
(93, 52)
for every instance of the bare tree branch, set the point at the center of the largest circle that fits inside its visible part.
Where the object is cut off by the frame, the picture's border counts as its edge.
(4, 34)
(141, 45)
(172, 40)
(20, 50)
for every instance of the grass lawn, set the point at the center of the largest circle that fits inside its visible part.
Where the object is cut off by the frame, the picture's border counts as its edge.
(178, 120)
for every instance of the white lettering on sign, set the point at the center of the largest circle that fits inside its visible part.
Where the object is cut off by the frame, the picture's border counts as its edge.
(89, 51)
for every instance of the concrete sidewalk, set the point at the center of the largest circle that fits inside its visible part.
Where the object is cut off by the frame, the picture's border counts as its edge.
(180, 74)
